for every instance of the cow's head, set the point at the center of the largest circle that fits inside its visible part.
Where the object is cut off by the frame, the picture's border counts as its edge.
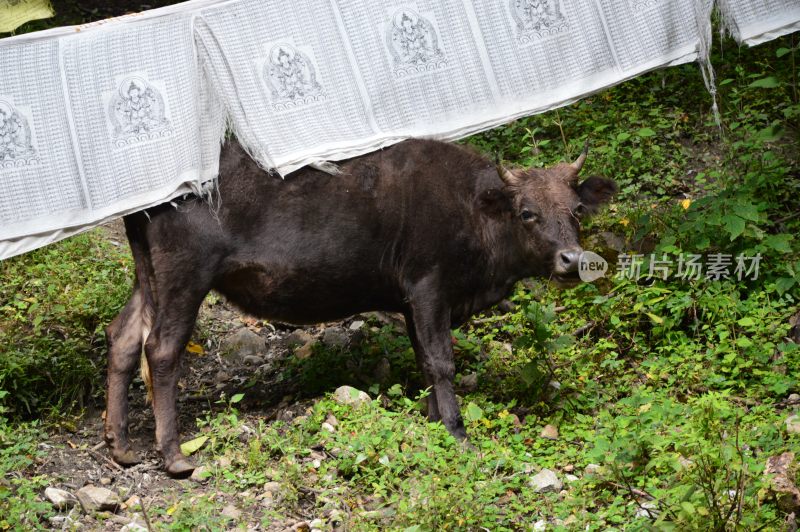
(545, 206)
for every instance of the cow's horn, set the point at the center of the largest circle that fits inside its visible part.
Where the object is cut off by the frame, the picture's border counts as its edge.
(578, 164)
(507, 175)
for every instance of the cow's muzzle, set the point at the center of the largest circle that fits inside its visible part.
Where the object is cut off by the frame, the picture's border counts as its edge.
(567, 261)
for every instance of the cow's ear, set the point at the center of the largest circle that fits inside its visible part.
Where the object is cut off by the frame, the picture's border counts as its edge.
(495, 201)
(596, 192)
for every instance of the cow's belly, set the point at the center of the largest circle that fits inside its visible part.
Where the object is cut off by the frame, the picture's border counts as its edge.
(297, 295)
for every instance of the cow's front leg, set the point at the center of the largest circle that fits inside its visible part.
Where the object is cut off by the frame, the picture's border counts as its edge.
(163, 348)
(429, 331)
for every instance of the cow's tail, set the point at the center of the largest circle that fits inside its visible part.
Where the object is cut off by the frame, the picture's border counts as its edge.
(140, 248)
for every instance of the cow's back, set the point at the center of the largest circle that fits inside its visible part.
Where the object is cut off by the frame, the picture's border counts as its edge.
(315, 246)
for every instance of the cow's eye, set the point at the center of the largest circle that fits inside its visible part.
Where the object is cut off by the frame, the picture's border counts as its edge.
(527, 215)
(580, 210)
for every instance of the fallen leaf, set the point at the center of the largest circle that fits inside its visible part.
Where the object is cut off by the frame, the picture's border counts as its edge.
(191, 446)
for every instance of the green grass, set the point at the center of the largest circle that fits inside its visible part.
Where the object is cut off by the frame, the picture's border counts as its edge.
(671, 386)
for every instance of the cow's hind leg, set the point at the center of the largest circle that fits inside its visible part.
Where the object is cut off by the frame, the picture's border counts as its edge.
(125, 336)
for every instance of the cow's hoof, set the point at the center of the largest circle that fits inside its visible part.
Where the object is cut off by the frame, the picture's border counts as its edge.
(180, 468)
(125, 457)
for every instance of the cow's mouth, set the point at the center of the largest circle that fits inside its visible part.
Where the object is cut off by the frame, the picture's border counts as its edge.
(566, 280)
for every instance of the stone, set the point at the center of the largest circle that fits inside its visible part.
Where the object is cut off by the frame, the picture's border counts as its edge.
(316, 524)
(105, 481)
(94, 498)
(781, 477)
(332, 421)
(469, 382)
(297, 338)
(133, 527)
(592, 469)
(60, 499)
(549, 432)
(793, 398)
(328, 427)
(793, 424)
(356, 325)
(200, 474)
(545, 481)
(648, 509)
(305, 350)
(252, 360)
(242, 343)
(334, 337)
(347, 395)
(383, 370)
(569, 468)
(570, 478)
(540, 525)
(272, 487)
(133, 502)
(232, 512)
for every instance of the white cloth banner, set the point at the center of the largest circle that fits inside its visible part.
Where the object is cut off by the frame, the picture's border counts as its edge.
(100, 120)
(753, 22)
(331, 79)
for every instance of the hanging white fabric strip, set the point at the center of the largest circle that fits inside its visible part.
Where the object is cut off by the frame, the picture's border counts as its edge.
(753, 22)
(104, 119)
(100, 122)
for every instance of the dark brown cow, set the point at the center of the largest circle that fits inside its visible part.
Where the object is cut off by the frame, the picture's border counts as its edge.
(425, 228)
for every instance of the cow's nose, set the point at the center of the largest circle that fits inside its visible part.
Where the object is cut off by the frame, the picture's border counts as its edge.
(568, 260)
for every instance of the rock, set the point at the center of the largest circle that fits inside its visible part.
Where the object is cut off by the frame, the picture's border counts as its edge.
(224, 462)
(793, 398)
(332, 421)
(383, 370)
(297, 338)
(648, 509)
(93, 498)
(305, 350)
(328, 427)
(613, 241)
(242, 343)
(232, 512)
(540, 525)
(356, 325)
(545, 481)
(133, 502)
(781, 473)
(569, 468)
(469, 382)
(549, 432)
(592, 469)
(133, 527)
(570, 478)
(316, 524)
(252, 360)
(335, 337)
(272, 487)
(60, 499)
(793, 424)
(105, 481)
(200, 474)
(221, 378)
(347, 395)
